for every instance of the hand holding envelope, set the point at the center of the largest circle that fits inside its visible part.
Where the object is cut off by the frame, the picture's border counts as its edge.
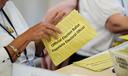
(76, 32)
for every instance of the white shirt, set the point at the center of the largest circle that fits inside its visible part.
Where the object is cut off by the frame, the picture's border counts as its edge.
(124, 4)
(20, 26)
(97, 12)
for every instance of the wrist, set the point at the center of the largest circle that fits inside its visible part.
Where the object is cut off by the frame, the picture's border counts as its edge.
(11, 53)
(21, 42)
(26, 37)
(15, 50)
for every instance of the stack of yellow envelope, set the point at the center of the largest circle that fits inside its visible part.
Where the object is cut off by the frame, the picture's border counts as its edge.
(96, 63)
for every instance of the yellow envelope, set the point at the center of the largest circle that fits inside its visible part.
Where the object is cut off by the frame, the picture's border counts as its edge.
(125, 37)
(97, 63)
(76, 32)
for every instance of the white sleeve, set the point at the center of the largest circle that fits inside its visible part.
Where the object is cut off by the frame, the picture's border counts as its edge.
(4, 56)
(99, 11)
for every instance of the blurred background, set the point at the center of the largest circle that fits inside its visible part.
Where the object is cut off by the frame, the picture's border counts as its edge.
(34, 10)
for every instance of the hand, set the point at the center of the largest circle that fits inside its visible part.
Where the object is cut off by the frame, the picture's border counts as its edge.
(42, 30)
(56, 14)
(48, 64)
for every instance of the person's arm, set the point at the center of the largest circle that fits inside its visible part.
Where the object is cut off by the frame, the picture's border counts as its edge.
(117, 24)
(37, 32)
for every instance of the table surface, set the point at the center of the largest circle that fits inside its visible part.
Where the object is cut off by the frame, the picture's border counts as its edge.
(73, 70)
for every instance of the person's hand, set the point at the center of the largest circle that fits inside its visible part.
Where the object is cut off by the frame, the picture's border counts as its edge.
(35, 33)
(42, 31)
(47, 62)
(56, 14)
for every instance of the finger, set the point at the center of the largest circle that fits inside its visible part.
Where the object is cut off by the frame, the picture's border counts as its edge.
(50, 16)
(48, 62)
(50, 33)
(55, 29)
(51, 65)
(45, 36)
(67, 12)
(45, 51)
(44, 63)
(47, 59)
(44, 60)
(59, 17)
